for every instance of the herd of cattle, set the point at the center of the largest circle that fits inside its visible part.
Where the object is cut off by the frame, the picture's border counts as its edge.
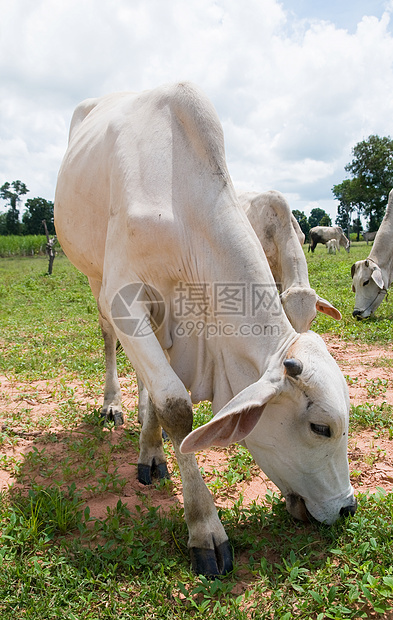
(145, 207)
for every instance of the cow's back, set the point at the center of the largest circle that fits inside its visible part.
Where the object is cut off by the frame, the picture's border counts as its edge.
(133, 160)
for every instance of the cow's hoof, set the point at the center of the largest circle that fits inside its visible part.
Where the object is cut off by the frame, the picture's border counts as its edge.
(146, 472)
(118, 418)
(160, 471)
(212, 562)
(102, 419)
(111, 416)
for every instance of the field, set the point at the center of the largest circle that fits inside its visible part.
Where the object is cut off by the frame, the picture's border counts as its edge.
(81, 539)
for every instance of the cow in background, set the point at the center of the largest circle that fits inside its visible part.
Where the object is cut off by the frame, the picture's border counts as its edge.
(322, 234)
(369, 236)
(331, 246)
(282, 238)
(372, 277)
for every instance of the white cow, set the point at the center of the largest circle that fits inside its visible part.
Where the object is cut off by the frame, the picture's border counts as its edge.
(146, 209)
(369, 236)
(331, 246)
(278, 232)
(322, 234)
(372, 277)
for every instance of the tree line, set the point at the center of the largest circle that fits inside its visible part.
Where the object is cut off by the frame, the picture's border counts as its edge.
(36, 210)
(364, 194)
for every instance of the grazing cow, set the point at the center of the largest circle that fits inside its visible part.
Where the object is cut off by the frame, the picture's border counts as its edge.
(331, 246)
(322, 234)
(145, 207)
(369, 236)
(278, 232)
(372, 277)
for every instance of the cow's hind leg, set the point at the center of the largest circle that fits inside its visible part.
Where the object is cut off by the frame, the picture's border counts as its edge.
(111, 409)
(210, 550)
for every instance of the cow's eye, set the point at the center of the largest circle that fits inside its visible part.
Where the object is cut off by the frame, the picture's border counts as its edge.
(321, 429)
(366, 282)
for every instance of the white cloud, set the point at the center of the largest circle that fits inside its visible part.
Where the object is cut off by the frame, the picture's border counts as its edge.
(294, 95)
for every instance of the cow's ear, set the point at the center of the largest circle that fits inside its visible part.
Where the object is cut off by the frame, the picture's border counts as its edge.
(353, 269)
(377, 277)
(327, 308)
(236, 420)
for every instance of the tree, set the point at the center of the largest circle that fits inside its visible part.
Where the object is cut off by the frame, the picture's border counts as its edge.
(37, 210)
(302, 220)
(13, 198)
(349, 193)
(357, 227)
(3, 223)
(325, 220)
(316, 217)
(372, 167)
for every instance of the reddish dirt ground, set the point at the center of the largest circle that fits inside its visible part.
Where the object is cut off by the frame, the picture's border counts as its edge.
(369, 373)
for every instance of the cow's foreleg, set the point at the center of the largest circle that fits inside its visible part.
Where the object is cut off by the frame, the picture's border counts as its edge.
(152, 460)
(111, 409)
(143, 403)
(210, 550)
(170, 408)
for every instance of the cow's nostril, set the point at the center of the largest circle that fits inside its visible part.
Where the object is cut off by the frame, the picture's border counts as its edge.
(348, 511)
(356, 312)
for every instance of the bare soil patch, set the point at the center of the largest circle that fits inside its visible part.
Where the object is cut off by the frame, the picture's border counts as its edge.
(47, 452)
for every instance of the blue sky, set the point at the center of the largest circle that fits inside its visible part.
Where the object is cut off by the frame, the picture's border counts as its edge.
(342, 13)
(296, 84)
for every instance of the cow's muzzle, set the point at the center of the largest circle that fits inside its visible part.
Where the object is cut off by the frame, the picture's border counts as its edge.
(297, 508)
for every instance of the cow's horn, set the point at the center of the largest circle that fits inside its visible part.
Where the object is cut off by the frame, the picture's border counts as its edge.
(294, 367)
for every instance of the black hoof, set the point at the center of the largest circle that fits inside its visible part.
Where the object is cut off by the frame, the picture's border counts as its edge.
(165, 436)
(118, 418)
(144, 475)
(147, 472)
(212, 562)
(160, 471)
(102, 420)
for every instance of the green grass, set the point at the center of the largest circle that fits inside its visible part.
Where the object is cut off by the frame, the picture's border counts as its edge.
(48, 324)
(56, 561)
(127, 566)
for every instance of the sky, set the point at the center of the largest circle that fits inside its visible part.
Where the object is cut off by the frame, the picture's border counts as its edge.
(296, 83)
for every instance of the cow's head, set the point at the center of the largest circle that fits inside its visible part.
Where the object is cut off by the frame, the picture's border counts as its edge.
(294, 421)
(301, 304)
(368, 286)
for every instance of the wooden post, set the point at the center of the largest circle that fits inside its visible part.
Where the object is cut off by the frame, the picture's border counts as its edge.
(49, 248)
